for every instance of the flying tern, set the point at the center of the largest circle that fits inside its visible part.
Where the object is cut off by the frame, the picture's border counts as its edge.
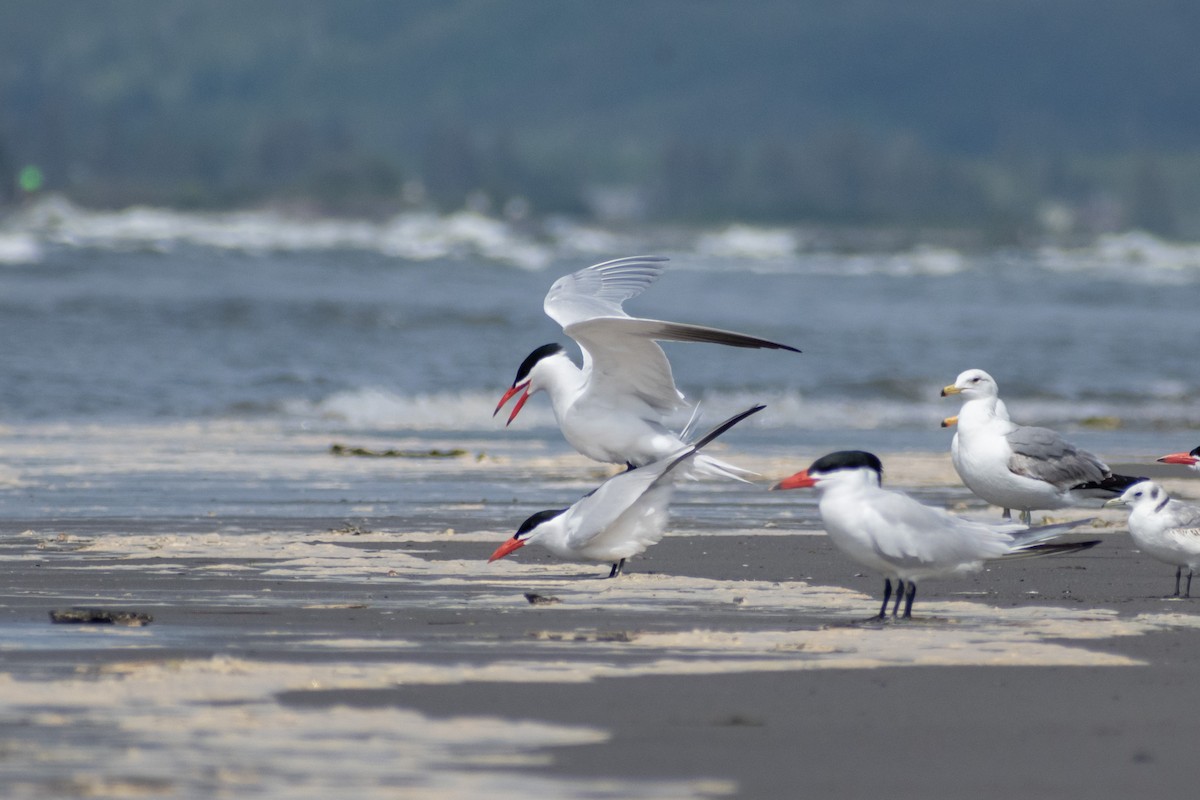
(889, 532)
(1017, 466)
(1163, 528)
(620, 518)
(613, 407)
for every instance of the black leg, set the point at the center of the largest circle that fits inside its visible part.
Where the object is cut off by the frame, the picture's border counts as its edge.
(899, 597)
(1178, 574)
(1007, 514)
(1189, 583)
(887, 594)
(1027, 516)
(616, 568)
(908, 601)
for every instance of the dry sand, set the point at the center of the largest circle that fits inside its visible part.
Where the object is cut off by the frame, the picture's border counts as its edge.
(374, 653)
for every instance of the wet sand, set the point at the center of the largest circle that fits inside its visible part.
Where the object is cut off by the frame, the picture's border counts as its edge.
(301, 652)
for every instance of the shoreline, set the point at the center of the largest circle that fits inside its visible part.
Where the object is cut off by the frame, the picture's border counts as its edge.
(309, 604)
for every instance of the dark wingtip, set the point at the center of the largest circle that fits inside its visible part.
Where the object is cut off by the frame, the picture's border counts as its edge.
(1060, 548)
(714, 433)
(727, 424)
(1117, 484)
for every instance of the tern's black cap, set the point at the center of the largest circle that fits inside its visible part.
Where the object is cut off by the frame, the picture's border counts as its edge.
(537, 519)
(545, 351)
(847, 459)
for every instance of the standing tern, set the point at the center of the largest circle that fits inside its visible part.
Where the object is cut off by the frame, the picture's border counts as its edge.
(620, 518)
(612, 409)
(888, 531)
(1191, 459)
(1017, 466)
(1163, 528)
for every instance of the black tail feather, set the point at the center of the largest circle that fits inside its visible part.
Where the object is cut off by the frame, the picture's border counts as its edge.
(1113, 484)
(1058, 548)
(714, 433)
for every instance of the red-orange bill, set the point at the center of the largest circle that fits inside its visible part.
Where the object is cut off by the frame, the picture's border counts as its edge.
(800, 480)
(505, 399)
(517, 408)
(506, 548)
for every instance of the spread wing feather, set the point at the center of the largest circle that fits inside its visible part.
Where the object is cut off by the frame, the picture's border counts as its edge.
(599, 290)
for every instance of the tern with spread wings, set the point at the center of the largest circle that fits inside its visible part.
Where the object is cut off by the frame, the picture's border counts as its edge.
(613, 407)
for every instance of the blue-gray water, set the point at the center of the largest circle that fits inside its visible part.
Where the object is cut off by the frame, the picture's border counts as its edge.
(418, 323)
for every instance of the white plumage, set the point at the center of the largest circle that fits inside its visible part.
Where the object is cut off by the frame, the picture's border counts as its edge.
(620, 518)
(1164, 528)
(891, 533)
(613, 407)
(1019, 466)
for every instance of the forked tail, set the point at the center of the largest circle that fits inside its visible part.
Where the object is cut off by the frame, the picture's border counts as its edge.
(1039, 541)
(711, 465)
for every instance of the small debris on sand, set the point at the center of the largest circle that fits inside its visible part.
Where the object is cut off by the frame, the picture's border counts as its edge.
(99, 616)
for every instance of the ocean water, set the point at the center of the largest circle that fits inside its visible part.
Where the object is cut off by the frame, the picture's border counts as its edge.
(171, 384)
(417, 324)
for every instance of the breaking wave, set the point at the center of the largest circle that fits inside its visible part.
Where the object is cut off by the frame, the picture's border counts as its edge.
(28, 233)
(375, 408)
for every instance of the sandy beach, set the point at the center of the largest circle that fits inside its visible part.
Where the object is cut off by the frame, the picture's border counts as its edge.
(342, 635)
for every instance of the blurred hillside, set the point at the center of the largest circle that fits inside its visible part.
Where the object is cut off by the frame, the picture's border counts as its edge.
(1007, 116)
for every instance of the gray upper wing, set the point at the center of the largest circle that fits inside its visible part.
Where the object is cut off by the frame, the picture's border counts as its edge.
(1043, 454)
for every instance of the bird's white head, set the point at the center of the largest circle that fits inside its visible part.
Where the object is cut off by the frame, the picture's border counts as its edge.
(843, 468)
(537, 525)
(1143, 494)
(526, 381)
(972, 384)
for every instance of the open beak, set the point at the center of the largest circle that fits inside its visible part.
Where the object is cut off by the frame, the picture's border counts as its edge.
(949, 422)
(520, 402)
(1187, 459)
(506, 548)
(949, 390)
(800, 480)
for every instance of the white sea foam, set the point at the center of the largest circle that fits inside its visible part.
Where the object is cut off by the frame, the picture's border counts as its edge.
(417, 236)
(19, 248)
(749, 242)
(1132, 255)
(158, 729)
(375, 407)
(423, 235)
(380, 408)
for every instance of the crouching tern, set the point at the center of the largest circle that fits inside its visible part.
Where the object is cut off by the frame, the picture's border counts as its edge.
(620, 518)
